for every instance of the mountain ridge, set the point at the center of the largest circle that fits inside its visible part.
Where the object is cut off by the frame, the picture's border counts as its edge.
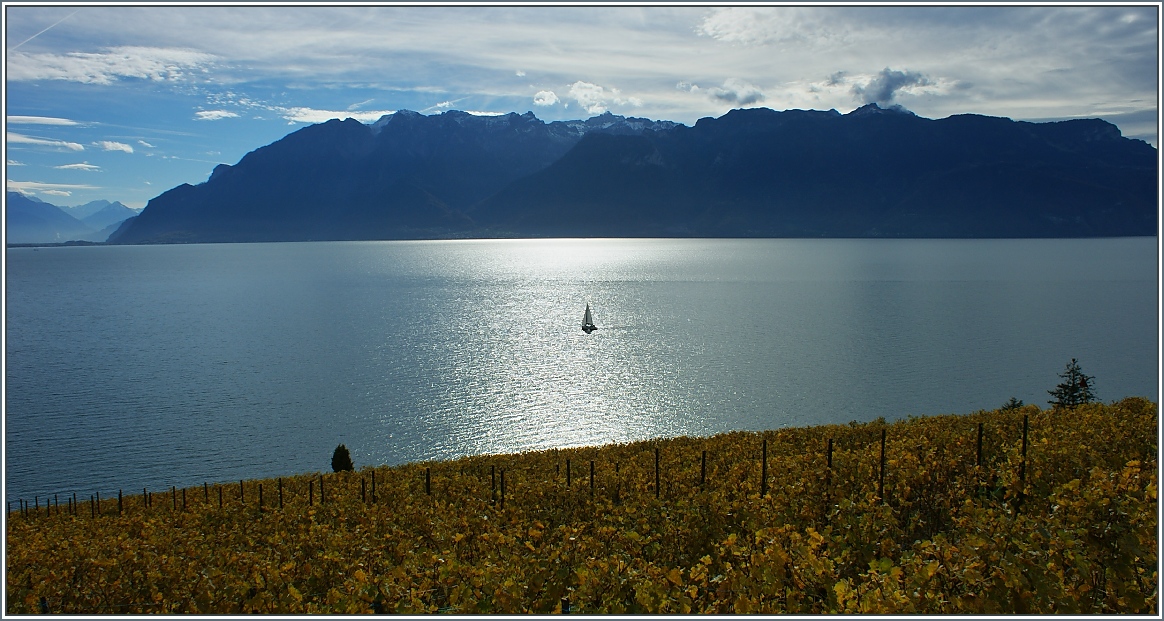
(874, 172)
(31, 220)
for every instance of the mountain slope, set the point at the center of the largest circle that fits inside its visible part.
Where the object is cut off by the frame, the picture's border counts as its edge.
(107, 215)
(753, 172)
(870, 173)
(407, 175)
(30, 221)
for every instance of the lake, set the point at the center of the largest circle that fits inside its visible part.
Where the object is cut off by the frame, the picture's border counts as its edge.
(152, 366)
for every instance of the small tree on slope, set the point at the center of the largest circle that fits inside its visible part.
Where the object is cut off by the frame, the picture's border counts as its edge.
(1075, 389)
(341, 460)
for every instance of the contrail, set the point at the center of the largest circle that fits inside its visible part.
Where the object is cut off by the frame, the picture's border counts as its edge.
(13, 48)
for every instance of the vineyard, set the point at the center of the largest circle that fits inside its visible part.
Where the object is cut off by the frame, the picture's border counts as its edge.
(934, 515)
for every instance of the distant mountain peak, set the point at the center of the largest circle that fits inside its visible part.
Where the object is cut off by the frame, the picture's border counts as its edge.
(873, 108)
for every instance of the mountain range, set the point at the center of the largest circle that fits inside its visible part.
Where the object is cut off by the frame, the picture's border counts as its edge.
(29, 220)
(874, 172)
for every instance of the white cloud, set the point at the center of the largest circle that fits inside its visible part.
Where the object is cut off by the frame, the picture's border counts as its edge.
(57, 192)
(312, 115)
(591, 97)
(213, 115)
(545, 98)
(81, 166)
(15, 163)
(519, 73)
(39, 120)
(145, 144)
(36, 187)
(597, 99)
(772, 25)
(357, 106)
(108, 65)
(109, 145)
(13, 138)
(484, 113)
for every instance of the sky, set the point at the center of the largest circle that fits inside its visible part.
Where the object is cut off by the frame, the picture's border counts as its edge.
(123, 103)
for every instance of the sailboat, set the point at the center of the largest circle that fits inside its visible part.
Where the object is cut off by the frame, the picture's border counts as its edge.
(588, 322)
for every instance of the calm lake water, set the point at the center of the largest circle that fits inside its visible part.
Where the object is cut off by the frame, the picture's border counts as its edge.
(151, 366)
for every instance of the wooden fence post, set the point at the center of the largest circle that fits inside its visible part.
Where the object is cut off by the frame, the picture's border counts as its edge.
(183, 499)
(363, 492)
(1022, 470)
(567, 472)
(617, 484)
(828, 480)
(310, 492)
(428, 481)
(702, 469)
(118, 502)
(764, 469)
(242, 493)
(260, 497)
(145, 497)
(205, 492)
(881, 474)
(656, 473)
(492, 484)
(592, 478)
(280, 493)
(978, 450)
(219, 496)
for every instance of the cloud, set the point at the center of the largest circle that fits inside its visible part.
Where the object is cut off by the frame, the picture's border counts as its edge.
(733, 91)
(81, 166)
(56, 192)
(107, 66)
(109, 145)
(737, 92)
(213, 115)
(13, 138)
(39, 120)
(545, 98)
(15, 163)
(36, 187)
(145, 144)
(596, 99)
(885, 85)
(767, 25)
(519, 73)
(312, 115)
(357, 106)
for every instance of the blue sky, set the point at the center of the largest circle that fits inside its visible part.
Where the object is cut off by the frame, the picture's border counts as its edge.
(123, 103)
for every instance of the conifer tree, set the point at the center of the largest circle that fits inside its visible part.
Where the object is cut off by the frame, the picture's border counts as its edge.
(1075, 389)
(341, 460)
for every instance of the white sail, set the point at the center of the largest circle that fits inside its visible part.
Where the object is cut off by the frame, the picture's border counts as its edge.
(588, 322)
